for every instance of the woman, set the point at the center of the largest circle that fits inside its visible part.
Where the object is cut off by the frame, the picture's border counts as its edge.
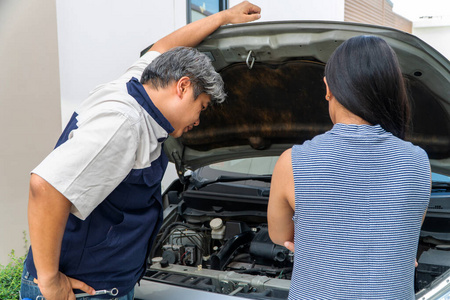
(352, 199)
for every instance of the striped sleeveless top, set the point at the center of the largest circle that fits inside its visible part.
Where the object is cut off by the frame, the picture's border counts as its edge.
(360, 195)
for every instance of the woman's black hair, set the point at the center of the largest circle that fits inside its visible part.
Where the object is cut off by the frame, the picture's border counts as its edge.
(364, 76)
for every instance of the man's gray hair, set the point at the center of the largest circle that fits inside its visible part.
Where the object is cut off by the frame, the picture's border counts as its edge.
(178, 62)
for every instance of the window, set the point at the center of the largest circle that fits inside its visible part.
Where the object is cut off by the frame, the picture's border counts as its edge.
(197, 9)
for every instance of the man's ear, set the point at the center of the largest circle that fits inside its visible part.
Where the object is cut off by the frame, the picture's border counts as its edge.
(182, 85)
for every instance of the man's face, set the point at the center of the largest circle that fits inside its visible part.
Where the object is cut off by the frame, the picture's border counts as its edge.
(189, 112)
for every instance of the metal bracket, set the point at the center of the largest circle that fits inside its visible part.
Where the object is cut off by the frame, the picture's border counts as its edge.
(227, 286)
(247, 61)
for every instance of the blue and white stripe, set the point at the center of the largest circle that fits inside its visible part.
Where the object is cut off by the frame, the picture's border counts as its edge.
(360, 194)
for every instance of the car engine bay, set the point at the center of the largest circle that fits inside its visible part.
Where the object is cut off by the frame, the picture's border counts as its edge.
(215, 238)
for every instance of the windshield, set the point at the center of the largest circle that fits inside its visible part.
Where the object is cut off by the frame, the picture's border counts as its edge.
(248, 166)
(262, 166)
(256, 169)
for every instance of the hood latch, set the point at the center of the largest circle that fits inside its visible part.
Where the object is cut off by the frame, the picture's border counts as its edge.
(251, 57)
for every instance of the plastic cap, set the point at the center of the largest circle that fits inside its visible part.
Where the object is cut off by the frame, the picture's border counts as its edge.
(216, 223)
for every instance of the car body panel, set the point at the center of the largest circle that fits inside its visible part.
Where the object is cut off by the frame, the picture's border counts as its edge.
(150, 290)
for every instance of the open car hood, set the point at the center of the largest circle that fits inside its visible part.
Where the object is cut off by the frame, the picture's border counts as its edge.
(273, 74)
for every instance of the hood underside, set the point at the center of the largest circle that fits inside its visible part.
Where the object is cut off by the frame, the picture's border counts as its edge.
(273, 74)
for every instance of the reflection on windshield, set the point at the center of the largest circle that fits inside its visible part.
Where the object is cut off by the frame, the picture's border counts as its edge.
(265, 166)
(248, 166)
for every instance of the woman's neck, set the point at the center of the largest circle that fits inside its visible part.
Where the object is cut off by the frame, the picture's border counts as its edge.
(339, 114)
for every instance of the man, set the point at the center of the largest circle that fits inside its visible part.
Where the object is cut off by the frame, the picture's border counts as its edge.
(95, 201)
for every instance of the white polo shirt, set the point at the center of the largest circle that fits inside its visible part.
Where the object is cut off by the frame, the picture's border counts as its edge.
(113, 135)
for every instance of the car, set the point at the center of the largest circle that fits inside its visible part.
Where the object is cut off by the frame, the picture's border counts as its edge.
(214, 242)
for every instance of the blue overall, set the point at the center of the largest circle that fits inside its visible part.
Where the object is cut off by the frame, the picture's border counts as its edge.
(110, 247)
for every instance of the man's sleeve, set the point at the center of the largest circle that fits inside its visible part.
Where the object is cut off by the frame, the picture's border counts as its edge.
(98, 155)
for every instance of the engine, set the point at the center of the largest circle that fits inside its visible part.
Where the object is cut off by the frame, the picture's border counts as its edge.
(223, 246)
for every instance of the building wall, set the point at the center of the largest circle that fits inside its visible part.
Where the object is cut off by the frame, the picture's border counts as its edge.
(98, 40)
(30, 114)
(402, 24)
(377, 12)
(435, 31)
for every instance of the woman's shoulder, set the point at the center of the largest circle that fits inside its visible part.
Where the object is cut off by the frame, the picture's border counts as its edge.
(315, 142)
(285, 158)
(411, 148)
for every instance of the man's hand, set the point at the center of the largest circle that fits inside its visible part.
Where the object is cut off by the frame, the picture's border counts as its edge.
(48, 211)
(193, 33)
(60, 287)
(290, 246)
(242, 13)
